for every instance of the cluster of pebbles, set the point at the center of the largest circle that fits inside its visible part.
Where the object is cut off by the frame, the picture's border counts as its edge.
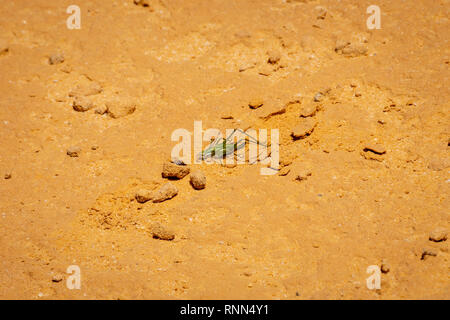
(167, 191)
(438, 235)
(171, 171)
(83, 97)
(307, 123)
(82, 102)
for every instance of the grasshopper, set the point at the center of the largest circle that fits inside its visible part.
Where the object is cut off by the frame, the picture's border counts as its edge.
(220, 148)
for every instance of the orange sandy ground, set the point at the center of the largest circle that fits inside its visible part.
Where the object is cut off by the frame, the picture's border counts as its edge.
(245, 235)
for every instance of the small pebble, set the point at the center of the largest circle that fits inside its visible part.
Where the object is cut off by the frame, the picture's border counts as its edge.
(318, 97)
(120, 109)
(66, 68)
(438, 235)
(143, 195)
(198, 180)
(73, 151)
(166, 192)
(159, 232)
(82, 104)
(57, 277)
(174, 171)
(8, 176)
(56, 59)
(385, 268)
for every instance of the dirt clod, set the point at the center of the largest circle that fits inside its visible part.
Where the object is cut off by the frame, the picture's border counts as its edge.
(304, 128)
(308, 110)
(119, 109)
(73, 151)
(82, 104)
(143, 195)
(56, 58)
(174, 171)
(438, 235)
(162, 233)
(166, 192)
(58, 277)
(198, 180)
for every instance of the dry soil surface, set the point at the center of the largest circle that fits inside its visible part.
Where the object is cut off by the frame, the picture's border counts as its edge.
(86, 118)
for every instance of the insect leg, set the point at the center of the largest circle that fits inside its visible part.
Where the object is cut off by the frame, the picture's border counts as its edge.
(251, 139)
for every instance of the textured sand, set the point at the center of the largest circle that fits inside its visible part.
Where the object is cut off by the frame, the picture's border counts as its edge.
(366, 182)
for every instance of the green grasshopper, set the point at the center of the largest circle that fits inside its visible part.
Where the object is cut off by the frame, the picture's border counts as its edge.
(221, 148)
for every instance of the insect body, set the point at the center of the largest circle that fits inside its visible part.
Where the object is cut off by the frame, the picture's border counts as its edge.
(221, 148)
